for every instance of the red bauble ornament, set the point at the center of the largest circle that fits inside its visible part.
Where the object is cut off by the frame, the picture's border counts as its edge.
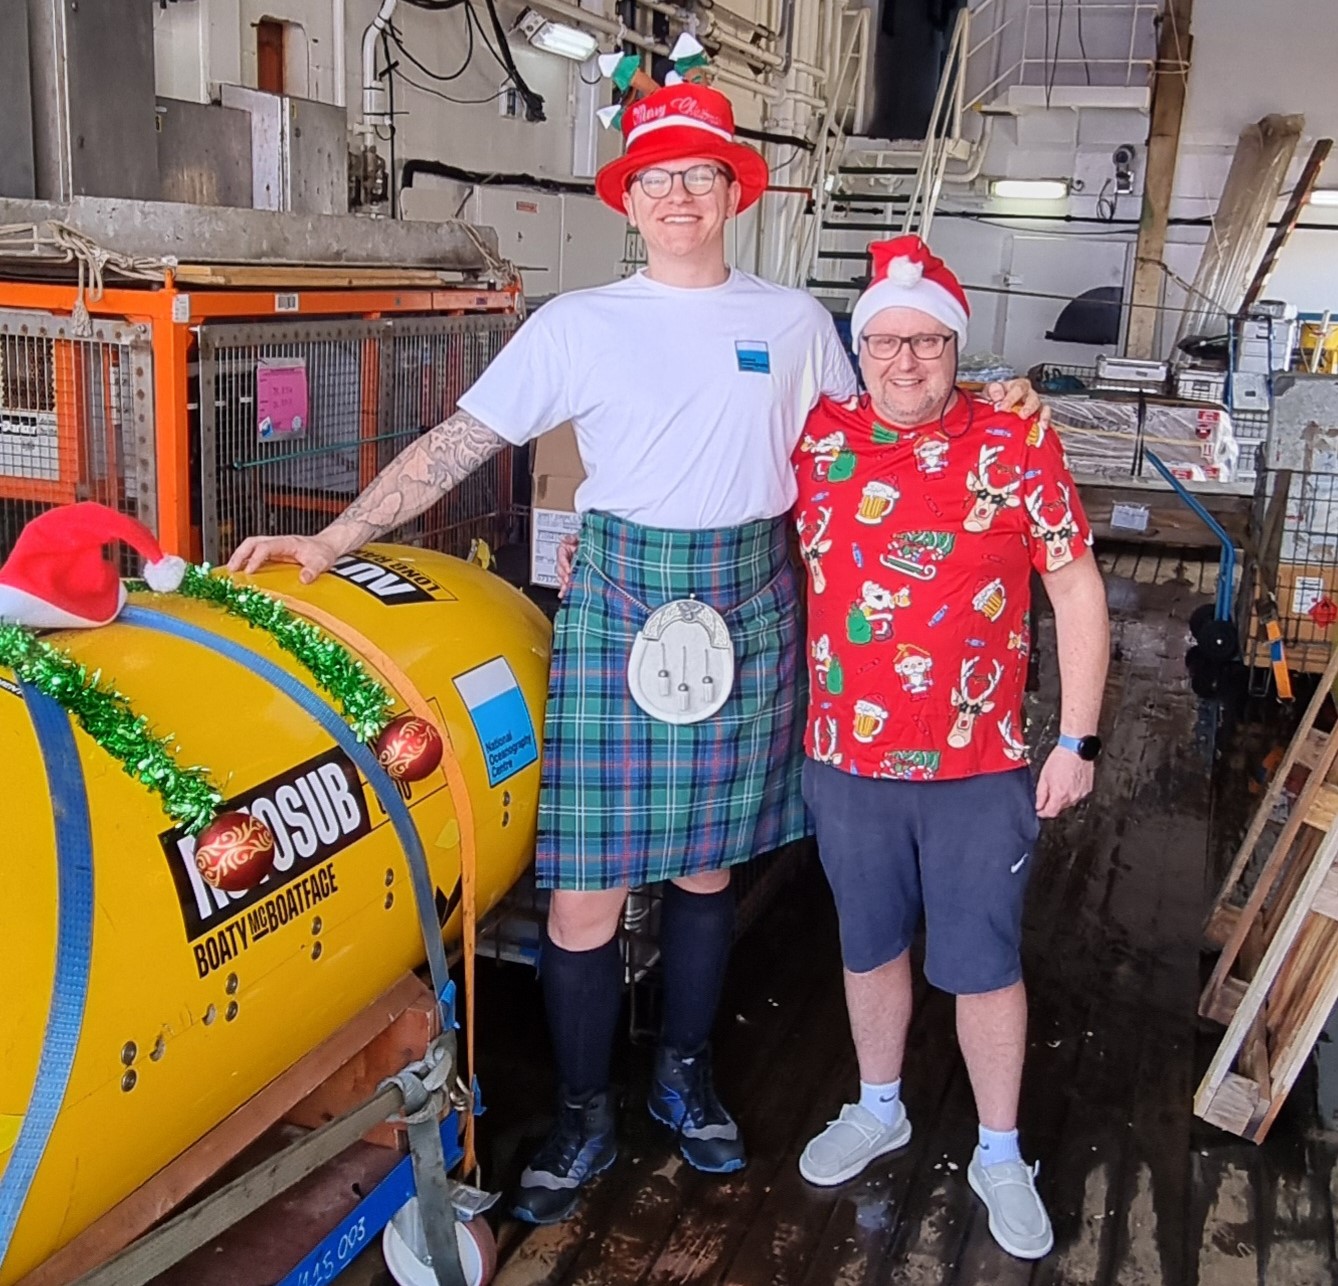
(410, 748)
(234, 852)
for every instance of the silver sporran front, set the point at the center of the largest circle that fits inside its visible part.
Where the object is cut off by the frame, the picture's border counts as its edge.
(682, 665)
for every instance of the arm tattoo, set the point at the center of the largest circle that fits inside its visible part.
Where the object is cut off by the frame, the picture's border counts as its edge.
(415, 480)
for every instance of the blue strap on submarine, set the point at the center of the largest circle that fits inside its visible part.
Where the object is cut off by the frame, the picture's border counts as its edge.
(74, 946)
(330, 720)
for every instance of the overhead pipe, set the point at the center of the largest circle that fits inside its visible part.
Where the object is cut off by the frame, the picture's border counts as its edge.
(606, 26)
(371, 88)
(734, 16)
(338, 19)
(712, 31)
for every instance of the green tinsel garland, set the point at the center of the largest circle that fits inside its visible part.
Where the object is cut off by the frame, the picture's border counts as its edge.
(364, 702)
(189, 797)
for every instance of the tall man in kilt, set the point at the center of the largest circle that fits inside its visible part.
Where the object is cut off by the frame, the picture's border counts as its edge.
(673, 734)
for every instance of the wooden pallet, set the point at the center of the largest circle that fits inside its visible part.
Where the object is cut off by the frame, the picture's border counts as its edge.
(1276, 979)
(377, 1042)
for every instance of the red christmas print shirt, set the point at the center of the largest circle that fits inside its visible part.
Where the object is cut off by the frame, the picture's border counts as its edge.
(919, 545)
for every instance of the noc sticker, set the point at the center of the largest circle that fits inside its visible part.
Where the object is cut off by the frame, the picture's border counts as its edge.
(501, 718)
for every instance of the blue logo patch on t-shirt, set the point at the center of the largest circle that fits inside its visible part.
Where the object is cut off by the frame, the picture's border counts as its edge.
(753, 356)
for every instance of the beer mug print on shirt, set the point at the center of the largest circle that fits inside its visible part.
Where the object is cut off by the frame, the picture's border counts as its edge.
(869, 719)
(876, 502)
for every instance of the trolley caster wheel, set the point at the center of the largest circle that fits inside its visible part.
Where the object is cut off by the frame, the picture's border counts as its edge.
(1200, 617)
(405, 1249)
(1209, 678)
(1219, 640)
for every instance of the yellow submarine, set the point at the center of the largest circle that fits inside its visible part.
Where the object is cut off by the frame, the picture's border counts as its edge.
(195, 998)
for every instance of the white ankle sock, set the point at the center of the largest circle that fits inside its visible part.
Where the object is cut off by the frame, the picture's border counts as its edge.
(997, 1146)
(881, 1100)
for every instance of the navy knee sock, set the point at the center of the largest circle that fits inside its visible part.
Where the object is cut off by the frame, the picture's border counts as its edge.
(582, 997)
(696, 932)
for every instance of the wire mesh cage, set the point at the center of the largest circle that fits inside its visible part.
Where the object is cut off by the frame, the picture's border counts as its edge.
(76, 419)
(297, 418)
(1293, 558)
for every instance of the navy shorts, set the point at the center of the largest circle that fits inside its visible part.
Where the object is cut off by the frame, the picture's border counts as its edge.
(959, 850)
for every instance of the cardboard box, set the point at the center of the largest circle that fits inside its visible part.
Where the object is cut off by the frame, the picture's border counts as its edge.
(1249, 391)
(557, 472)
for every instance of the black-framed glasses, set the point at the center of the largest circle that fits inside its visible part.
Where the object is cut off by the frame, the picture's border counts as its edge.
(885, 347)
(698, 180)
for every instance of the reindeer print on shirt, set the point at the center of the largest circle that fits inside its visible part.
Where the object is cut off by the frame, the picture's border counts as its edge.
(925, 593)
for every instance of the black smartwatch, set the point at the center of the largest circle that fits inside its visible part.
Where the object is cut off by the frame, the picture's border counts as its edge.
(1086, 748)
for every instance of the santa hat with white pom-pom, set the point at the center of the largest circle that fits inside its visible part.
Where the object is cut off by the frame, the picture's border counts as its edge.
(907, 274)
(57, 576)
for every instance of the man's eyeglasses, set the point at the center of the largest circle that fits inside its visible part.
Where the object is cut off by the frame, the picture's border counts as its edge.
(698, 180)
(883, 348)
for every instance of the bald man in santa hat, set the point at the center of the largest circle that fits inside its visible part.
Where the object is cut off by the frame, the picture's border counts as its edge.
(920, 550)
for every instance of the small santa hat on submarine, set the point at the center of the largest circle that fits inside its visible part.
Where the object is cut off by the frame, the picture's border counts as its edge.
(58, 576)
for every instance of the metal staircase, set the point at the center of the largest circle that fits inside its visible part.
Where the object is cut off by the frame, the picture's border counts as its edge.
(877, 189)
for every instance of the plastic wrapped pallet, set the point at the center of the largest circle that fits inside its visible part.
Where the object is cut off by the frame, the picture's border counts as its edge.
(1104, 439)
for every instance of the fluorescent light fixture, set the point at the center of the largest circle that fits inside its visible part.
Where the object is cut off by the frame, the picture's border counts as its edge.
(556, 37)
(1030, 189)
(1324, 196)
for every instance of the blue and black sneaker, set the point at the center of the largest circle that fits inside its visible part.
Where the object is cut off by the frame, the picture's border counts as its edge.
(683, 1098)
(580, 1145)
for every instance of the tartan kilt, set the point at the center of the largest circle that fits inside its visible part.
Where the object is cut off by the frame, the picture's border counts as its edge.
(626, 799)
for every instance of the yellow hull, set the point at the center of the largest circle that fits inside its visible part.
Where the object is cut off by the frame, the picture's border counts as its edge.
(197, 999)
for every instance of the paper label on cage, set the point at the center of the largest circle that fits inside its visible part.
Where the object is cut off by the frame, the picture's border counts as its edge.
(1129, 517)
(1306, 593)
(181, 308)
(281, 398)
(290, 303)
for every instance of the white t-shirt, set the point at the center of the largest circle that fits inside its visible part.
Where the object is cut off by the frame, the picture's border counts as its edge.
(687, 403)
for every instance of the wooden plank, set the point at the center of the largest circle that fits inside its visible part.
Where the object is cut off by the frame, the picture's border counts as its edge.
(1227, 1001)
(1312, 744)
(1291, 216)
(1233, 1105)
(1275, 863)
(1170, 82)
(1323, 808)
(203, 1159)
(1284, 891)
(1170, 521)
(1326, 899)
(283, 277)
(401, 1043)
(1257, 994)
(1302, 743)
(1222, 920)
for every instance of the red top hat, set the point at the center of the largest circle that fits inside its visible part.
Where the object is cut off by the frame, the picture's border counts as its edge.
(676, 122)
(57, 577)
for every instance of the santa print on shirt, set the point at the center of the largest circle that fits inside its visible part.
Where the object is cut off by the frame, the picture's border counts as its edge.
(919, 545)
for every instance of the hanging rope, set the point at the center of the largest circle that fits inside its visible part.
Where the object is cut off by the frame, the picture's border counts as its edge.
(56, 242)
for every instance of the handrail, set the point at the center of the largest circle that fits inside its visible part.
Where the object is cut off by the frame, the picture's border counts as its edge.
(945, 119)
(843, 93)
